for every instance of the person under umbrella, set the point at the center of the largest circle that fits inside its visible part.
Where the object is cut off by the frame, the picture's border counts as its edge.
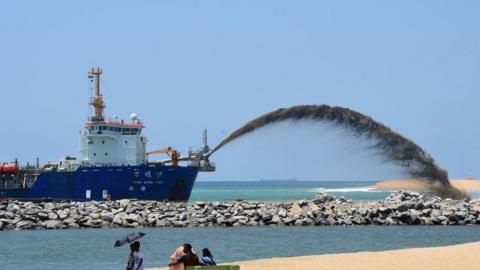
(130, 261)
(135, 256)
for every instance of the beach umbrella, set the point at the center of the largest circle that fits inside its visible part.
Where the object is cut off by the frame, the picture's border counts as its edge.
(129, 238)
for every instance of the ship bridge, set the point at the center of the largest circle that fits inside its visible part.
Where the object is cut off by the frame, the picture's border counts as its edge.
(107, 142)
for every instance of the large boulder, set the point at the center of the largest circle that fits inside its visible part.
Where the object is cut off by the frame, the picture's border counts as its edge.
(323, 197)
(53, 224)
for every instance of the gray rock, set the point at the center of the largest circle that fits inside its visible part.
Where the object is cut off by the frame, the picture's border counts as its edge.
(52, 224)
(282, 212)
(249, 206)
(358, 220)
(322, 197)
(42, 215)
(404, 206)
(385, 211)
(390, 221)
(30, 218)
(62, 214)
(266, 215)
(52, 216)
(379, 221)
(24, 225)
(107, 216)
(276, 219)
(7, 215)
(30, 211)
(73, 226)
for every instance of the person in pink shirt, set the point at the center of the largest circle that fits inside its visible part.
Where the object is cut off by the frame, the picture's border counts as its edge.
(174, 257)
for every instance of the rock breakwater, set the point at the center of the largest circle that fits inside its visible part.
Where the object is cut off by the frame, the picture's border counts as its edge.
(400, 208)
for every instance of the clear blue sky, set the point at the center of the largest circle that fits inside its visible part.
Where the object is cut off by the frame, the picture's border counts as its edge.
(185, 66)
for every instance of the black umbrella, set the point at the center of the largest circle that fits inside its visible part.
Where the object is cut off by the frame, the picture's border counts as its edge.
(129, 238)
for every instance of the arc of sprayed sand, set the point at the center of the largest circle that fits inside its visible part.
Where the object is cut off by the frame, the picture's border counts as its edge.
(396, 147)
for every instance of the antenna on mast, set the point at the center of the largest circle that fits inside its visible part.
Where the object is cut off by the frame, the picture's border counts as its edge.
(97, 100)
(205, 141)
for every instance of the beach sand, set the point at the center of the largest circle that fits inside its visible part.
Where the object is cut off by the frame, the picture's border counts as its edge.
(421, 185)
(455, 257)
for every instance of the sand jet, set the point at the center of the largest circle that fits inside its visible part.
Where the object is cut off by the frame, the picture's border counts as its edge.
(394, 146)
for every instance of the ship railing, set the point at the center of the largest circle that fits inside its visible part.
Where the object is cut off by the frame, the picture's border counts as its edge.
(207, 167)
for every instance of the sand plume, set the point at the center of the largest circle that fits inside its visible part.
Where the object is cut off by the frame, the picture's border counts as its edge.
(393, 145)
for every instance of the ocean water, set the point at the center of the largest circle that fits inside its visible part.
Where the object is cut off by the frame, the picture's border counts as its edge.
(282, 190)
(287, 190)
(93, 249)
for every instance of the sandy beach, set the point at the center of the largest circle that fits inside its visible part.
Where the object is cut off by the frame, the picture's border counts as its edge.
(421, 185)
(442, 258)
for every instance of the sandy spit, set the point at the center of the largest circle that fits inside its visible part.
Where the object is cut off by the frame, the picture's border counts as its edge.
(455, 257)
(419, 185)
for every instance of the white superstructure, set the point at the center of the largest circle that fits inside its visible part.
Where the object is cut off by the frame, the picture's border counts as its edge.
(112, 143)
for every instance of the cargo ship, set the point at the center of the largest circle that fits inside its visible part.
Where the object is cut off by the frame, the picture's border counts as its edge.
(113, 164)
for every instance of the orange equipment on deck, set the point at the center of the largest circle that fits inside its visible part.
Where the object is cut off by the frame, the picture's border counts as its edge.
(174, 154)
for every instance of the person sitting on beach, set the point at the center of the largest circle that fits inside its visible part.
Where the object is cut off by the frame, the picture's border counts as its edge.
(137, 257)
(177, 254)
(189, 259)
(207, 257)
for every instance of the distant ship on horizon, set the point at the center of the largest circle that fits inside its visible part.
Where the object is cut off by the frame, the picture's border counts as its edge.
(293, 179)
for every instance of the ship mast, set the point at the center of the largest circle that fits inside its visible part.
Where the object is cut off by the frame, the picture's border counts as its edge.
(97, 100)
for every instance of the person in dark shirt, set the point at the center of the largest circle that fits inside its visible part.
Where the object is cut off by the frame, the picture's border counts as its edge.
(189, 259)
(207, 257)
(130, 258)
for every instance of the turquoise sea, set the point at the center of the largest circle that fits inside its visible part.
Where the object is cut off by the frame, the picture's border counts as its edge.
(93, 248)
(286, 190)
(282, 190)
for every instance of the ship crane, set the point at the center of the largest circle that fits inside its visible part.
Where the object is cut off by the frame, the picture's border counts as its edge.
(196, 158)
(174, 154)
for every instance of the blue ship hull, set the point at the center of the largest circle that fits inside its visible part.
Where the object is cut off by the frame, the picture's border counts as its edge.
(144, 182)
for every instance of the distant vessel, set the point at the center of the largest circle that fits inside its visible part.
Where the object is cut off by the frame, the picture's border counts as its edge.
(113, 165)
(293, 179)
